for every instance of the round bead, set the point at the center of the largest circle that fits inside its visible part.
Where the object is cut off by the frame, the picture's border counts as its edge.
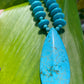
(41, 18)
(36, 3)
(38, 8)
(59, 22)
(40, 14)
(43, 23)
(52, 6)
(48, 29)
(56, 10)
(49, 2)
(57, 28)
(57, 16)
(60, 26)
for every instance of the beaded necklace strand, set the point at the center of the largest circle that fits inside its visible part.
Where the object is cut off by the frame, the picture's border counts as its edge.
(54, 62)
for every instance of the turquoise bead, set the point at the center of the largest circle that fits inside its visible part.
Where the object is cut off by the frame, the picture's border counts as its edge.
(37, 9)
(43, 22)
(58, 22)
(58, 15)
(35, 4)
(52, 6)
(56, 10)
(40, 14)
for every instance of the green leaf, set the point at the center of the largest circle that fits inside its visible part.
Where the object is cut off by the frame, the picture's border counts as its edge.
(8, 3)
(21, 43)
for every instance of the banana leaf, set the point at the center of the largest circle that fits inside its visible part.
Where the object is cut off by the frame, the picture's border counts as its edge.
(21, 43)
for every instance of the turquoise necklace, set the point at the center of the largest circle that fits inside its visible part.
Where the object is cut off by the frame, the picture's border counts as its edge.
(54, 63)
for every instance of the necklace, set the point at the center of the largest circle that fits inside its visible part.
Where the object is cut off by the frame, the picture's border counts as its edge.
(54, 63)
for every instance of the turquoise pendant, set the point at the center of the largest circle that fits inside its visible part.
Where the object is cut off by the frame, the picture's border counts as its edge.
(54, 63)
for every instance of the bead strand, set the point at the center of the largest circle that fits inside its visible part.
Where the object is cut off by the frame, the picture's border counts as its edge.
(39, 14)
(56, 14)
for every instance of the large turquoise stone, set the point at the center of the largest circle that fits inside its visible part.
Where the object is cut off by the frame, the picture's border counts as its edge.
(54, 63)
